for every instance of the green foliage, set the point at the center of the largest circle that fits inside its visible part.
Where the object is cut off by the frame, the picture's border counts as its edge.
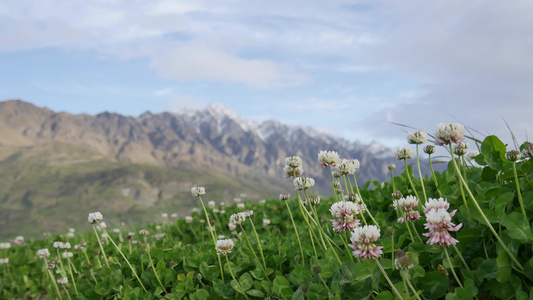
(187, 264)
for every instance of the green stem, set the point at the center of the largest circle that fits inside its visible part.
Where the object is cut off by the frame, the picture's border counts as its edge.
(409, 177)
(324, 283)
(233, 276)
(297, 235)
(410, 285)
(483, 216)
(259, 244)
(72, 277)
(433, 176)
(451, 267)
(212, 236)
(332, 185)
(461, 257)
(126, 259)
(55, 283)
(420, 175)
(253, 252)
(152, 264)
(518, 190)
(388, 280)
(344, 238)
(407, 225)
(66, 292)
(392, 180)
(101, 246)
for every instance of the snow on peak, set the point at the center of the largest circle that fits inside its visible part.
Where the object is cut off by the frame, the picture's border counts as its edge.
(221, 112)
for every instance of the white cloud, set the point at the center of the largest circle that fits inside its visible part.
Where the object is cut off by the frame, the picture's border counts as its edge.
(184, 102)
(164, 92)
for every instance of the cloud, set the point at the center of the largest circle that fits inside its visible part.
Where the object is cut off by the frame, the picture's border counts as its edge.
(190, 63)
(164, 92)
(184, 102)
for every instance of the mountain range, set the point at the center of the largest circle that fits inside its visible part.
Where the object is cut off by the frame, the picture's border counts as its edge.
(56, 167)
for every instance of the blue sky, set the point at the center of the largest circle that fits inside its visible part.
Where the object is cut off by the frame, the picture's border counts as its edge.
(348, 68)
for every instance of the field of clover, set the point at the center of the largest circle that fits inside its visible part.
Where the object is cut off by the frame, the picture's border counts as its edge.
(464, 233)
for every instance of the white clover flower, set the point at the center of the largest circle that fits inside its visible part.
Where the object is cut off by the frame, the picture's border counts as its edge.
(303, 183)
(237, 218)
(188, 219)
(460, 148)
(262, 201)
(62, 280)
(174, 215)
(406, 205)
(70, 235)
(232, 226)
(65, 246)
(293, 161)
(197, 191)
(43, 253)
(95, 217)
(67, 254)
(266, 222)
(101, 225)
(328, 158)
(362, 241)
(432, 203)
(222, 211)
(4, 261)
(404, 153)
(314, 200)
(290, 171)
(446, 133)
(104, 236)
(240, 205)
(528, 151)
(211, 204)
(470, 156)
(345, 213)
(224, 246)
(346, 167)
(5, 245)
(71, 230)
(429, 149)
(513, 155)
(439, 223)
(57, 244)
(195, 209)
(19, 240)
(157, 227)
(248, 213)
(116, 230)
(216, 210)
(417, 137)
(284, 197)
(144, 232)
(391, 166)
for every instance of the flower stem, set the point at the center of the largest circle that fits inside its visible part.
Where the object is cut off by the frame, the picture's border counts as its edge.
(392, 180)
(518, 190)
(388, 280)
(451, 267)
(409, 177)
(233, 276)
(152, 264)
(101, 247)
(66, 292)
(406, 280)
(72, 277)
(420, 175)
(212, 236)
(260, 247)
(332, 185)
(253, 252)
(126, 259)
(297, 235)
(483, 216)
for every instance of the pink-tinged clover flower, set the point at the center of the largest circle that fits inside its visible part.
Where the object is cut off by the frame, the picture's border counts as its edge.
(449, 133)
(436, 204)
(439, 223)
(345, 213)
(406, 205)
(362, 241)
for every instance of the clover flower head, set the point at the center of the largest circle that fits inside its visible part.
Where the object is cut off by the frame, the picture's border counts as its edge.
(461, 148)
(404, 153)
(197, 191)
(19, 240)
(417, 137)
(211, 204)
(328, 158)
(397, 195)
(433, 203)
(237, 218)
(391, 167)
(232, 226)
(345, 213)
(266, 222)
(4, 261)
(57, 244)
(470, 156)
(95, 217)
(303, 183)
(406, 205)
(5, 245)
(240, 205)
(314, 199)
(429, 149)
(101, 225)
(439, 224)
(352, 197)
(67, 254)
(402, 261)
(284, 197)
(43, 253)
(174, 215)
(62, 280)
(144, 232)
(362, 241)
(347, 167)
(188, 219)
(446, 133)
(528, 151)
(248, 213)
(513, 155)
(293, 161)
(65, 246)
(224, 246)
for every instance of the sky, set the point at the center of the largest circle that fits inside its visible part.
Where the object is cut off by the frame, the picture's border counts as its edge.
(349, 68)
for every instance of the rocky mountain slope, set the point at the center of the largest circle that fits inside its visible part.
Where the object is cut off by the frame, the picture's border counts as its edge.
(148, 163)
